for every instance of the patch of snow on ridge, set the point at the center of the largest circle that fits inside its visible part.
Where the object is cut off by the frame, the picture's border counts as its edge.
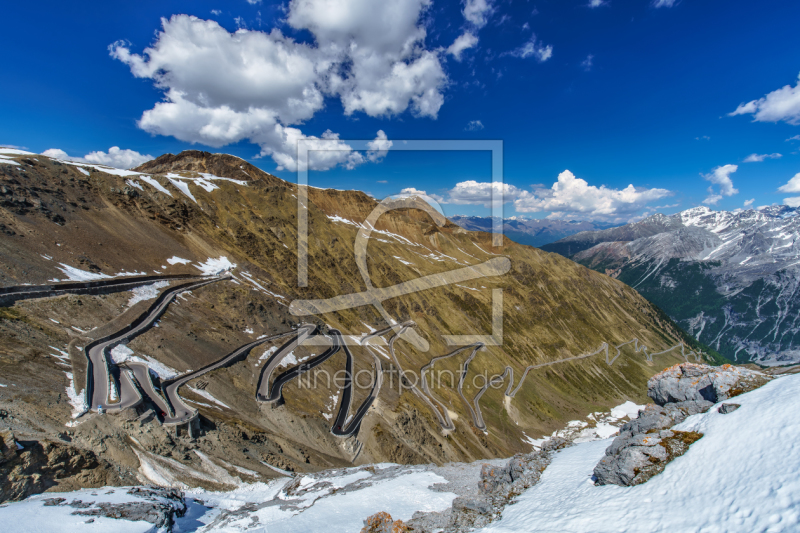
(108, 170)
(14, 151)
(155, 184)
(121, 353)
(76, 399)
(743, 475)
(136, 184)
(146, 292)
(6, 161)
(208, 396)
(75, 274)
(174, 260)
(212, 267)
(181, 186)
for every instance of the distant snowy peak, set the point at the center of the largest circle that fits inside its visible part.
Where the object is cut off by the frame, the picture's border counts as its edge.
(731, 278)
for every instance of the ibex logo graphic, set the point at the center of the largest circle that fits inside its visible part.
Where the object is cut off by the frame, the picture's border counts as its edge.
(376, 296)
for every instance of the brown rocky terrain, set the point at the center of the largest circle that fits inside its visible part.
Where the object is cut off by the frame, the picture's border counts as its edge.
(55, 215)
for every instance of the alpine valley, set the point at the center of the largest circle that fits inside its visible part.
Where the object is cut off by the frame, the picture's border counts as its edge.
(168, 294)
(729, 278)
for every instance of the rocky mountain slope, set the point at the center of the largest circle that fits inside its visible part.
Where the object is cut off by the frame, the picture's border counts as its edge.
(536, 232)
(729, 278)
(200, 214)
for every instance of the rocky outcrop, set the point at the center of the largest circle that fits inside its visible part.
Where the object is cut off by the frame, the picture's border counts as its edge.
(157, 505)
(646, 444)
(692, 382)
(382, 523)
(39, 465)
(726, 408)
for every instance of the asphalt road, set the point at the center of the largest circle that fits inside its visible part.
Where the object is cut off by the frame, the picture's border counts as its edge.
(102, 374)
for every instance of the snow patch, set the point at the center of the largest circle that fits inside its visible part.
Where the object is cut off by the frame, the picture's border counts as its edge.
(75, 274)
(146, 292)
(213, 267)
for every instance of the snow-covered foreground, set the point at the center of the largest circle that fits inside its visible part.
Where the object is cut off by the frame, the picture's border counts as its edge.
(743, 475)
(330, 504)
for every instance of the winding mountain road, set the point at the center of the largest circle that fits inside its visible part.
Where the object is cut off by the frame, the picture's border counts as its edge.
(99, 384)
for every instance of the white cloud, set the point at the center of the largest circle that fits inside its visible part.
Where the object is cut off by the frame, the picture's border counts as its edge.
(782, 104)
(474, 125)
(795, 138)
(720, 176)
(116, 157)
(481, 193)
(597, 3)
(379, 147)
(586, 64)
(222, 87)
(758, 158)
(412, 191)
(793, 185)
(216, 12)
(748, 203)
(533, 48)
(664, 3)
(253, 2)
(572, 197)
(478, 12)
(462, 42)
(792, 202)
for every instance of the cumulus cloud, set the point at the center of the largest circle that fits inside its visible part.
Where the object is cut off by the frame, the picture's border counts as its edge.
(782, 104)
(474, 125)
(533, 48)
(462, 42)
(793, 185)
(748, 203)
(720, 176)
(379, 147)
(482, 193)
(221, 87)
(413, 191)
(758, 158)
(115, 157)
(572, 197)
(477, 12)
(664, 3)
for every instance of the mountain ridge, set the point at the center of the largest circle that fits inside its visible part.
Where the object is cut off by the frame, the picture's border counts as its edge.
(730, 278)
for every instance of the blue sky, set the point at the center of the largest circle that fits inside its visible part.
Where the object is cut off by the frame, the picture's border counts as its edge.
(622, 93)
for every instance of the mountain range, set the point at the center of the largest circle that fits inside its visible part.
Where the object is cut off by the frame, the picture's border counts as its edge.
(185, 271)
(533, 232)
(730, 278)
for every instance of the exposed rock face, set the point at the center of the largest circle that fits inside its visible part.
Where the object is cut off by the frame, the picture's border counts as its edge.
(159, 507)
(645, 445)
(382, 523)
(726, 408)
(37, 466)
(634, 460)
(691, 382)
(707, 270)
